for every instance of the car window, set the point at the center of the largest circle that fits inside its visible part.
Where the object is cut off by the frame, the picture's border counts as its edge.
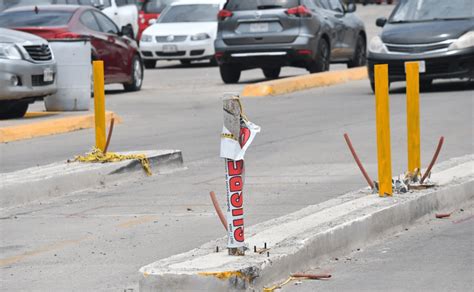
(30, 18)
(335, 5)
(190, 13)
(121, 2)
(88, 19)
(312, 4)
(236, 5)
(131, 2)
(156, 6)
(426, 10)
(106, 25)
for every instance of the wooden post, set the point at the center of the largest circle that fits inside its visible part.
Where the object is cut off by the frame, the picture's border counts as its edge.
(99, 105)
(413, 116)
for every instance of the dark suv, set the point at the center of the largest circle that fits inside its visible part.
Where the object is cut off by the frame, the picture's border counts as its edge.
(270, 34)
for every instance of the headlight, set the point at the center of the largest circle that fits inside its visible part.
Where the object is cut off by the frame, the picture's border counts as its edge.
(465, 41)
(200, 37)
(146, 38)
(9, 51)
(377, 46)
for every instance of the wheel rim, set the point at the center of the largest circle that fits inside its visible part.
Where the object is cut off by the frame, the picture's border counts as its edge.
(137, 73)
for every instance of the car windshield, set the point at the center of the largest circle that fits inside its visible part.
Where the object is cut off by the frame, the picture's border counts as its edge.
(428, 10)
(190, 13)
(156, 6)
(33, 19)
(235, 5)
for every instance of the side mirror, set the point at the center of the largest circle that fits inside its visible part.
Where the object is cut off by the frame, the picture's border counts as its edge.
(351, 7)
(126, 31)
(152, 21)
(380, 22)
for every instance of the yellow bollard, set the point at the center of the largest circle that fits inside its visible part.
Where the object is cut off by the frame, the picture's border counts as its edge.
(99, 105)
(382, 108)
(413, 116)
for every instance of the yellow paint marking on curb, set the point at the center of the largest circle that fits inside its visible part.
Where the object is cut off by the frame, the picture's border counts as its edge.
(32, 115)
(134, 222)
(292, 84)
(45, 249)
(224, 275)
(51, 127)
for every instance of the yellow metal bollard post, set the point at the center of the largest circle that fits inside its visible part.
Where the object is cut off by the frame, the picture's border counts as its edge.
(99, 105)
(383, 130)
(413, 116)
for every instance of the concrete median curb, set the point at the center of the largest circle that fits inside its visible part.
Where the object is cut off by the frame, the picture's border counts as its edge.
(51, 127)
(292, 84)
(45, 182)
(301, 239)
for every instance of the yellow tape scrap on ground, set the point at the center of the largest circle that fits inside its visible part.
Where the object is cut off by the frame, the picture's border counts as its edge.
(97, 156)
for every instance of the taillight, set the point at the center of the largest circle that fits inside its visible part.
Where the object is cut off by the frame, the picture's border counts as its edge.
(224, 14)
(300, 11)
(69, 35)
(219, 55)
(305, 52)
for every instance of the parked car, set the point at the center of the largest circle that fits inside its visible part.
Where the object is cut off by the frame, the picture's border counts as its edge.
(269, 34)
(149, 12)
(122, 12)
(185, 31)
(120, 54)
(438, 34)
(27, 72)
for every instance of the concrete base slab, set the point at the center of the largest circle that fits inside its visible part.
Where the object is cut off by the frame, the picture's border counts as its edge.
(44, 182)
(313, 233)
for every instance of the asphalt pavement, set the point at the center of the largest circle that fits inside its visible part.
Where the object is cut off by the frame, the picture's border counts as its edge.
(434, 255)
(97, 240)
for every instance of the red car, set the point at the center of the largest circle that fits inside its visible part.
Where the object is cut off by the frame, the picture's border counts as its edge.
(122, 61)
(150, 9)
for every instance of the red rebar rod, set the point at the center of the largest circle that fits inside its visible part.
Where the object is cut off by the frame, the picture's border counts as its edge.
(357, 160)
(312, 276)
(433, 161)
(109, 137)
(218, 209)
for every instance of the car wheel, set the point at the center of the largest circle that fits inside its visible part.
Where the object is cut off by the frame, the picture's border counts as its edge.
(323, 58)
(185, 62)
(360, 54)
(149, 64)
(271, 73)
(229, 74)
(13, 109)
(137, 76)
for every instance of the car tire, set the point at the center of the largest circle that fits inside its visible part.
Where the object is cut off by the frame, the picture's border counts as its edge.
(229, 74)
(323, 58)
(13, 109)
(149, 64)
(137, 75)
(185, 62)
(271, 73)
(360, 54)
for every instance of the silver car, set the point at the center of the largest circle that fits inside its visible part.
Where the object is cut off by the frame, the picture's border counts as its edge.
(27, 72)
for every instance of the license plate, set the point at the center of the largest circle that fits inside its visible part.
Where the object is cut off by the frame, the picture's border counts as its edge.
(48, 75)
(421, 67)
(170, 48)
(259, 27)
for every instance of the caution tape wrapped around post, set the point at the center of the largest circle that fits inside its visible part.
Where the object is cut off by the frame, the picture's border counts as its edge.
(237, 135)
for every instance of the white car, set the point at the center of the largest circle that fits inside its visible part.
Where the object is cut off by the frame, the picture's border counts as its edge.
(122, 12)
(185, 31)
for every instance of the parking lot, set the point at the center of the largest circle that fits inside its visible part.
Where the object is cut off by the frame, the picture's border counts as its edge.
(97, 239)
